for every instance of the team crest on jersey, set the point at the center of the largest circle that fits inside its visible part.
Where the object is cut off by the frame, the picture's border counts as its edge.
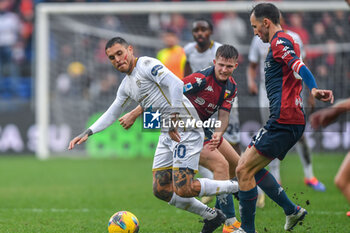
(199, 81)
(279, 42)
(227, 93)
(187, 87)
(209, 88)
(155, 69)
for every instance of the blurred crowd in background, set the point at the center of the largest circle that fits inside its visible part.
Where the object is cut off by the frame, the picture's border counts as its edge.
(325, 35)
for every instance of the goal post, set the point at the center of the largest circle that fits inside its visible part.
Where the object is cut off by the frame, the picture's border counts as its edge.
(74, 28)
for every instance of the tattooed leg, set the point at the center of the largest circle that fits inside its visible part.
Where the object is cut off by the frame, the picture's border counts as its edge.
(184, 185)
(163, 184)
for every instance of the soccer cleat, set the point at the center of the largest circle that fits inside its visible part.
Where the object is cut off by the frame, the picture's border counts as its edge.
(211, 225)
(207, 199)
(293, 219)
(231, 228)
(260, 203)
(315, 184)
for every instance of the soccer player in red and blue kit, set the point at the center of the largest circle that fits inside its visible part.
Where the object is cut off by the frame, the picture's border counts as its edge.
(284, 72)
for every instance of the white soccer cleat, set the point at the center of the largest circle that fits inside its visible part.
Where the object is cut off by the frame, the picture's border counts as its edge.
(293, 219)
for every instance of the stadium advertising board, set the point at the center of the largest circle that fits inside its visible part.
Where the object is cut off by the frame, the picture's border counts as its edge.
(19, 135)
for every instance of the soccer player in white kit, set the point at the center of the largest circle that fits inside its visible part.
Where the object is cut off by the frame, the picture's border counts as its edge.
(152, 85)
(257, 53)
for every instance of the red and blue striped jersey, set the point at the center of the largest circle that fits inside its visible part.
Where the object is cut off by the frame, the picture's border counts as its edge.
(283, 83)
(207, 94)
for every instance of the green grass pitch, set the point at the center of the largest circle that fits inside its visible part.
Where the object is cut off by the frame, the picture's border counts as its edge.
(79, 195)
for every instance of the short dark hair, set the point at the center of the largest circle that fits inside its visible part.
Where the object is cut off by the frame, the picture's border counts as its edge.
(227, 51)
(205, 20)
(267, 10)
(116, 40)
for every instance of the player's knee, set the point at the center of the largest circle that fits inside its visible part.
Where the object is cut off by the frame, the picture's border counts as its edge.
(221, 167)
(241, 171)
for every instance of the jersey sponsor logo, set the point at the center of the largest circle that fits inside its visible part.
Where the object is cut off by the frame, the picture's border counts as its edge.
(209, 88)
(199, 101)
(211, 105)
(227, 93)
(151, 120)
(287, 52)
(209, 111)
(187, 87)
(155, 69)
(285, 48)
(279, 42)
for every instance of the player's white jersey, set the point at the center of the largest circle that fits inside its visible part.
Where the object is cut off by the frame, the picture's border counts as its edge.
(197, 60)
(144, 85)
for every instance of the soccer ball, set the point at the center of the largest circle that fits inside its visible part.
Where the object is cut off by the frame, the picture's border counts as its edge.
(123, 222)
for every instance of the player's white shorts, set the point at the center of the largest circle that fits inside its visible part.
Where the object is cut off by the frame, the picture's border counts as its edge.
(185, 154)
(232, 134)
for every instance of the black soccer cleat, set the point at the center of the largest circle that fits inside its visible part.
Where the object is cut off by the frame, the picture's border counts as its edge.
(211, 225)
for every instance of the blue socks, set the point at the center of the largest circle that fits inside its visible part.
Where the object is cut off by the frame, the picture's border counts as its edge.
(247, 206)
(224, 202)
(273, 189)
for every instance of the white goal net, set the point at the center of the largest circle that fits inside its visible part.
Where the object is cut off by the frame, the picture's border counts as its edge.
(75, 82)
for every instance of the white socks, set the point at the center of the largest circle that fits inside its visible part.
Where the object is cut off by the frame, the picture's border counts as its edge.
(192, 205)
(215, 187)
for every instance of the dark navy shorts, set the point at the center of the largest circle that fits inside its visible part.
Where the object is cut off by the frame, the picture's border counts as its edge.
(274, 140)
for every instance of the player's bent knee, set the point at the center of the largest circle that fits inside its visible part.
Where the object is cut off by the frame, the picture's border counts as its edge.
(221, 167)
(241, 171)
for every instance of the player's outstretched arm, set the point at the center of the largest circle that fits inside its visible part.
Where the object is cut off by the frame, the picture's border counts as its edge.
(129, 118)
(326, 116)
(80, 138)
